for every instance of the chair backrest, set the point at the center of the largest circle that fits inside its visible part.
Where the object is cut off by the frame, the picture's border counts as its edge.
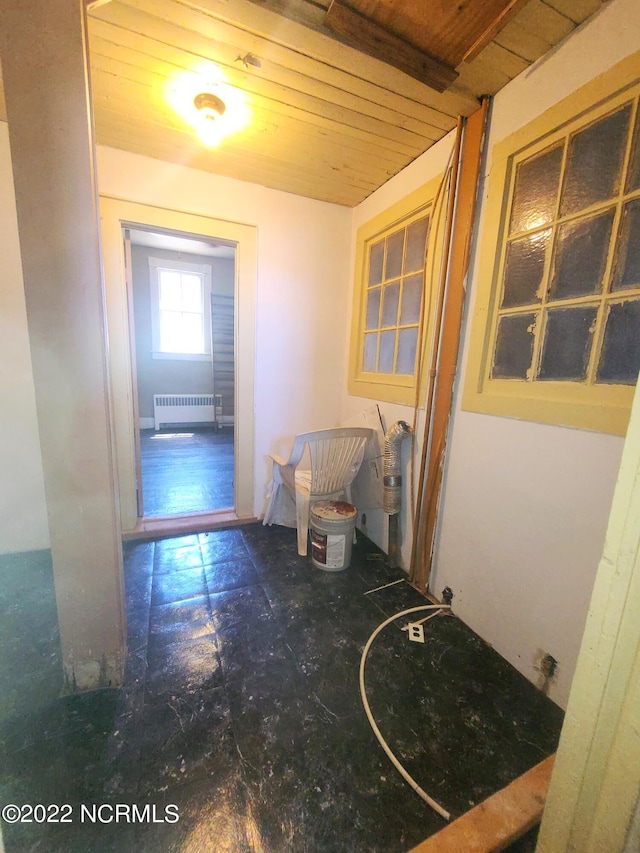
(336, 456)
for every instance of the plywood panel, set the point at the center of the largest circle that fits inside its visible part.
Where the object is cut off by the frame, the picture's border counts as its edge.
(445, 30)
(576, 10)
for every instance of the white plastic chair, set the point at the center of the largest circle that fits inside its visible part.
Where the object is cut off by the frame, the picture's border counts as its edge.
(335, 456)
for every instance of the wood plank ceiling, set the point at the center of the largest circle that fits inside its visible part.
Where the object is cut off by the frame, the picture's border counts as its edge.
(325, 120)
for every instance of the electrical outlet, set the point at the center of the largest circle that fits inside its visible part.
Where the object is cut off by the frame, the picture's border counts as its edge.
(416, 632)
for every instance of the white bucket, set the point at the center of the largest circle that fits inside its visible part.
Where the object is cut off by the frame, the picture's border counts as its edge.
(332, 524)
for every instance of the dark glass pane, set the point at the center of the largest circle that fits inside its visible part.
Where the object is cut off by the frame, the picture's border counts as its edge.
(407, 343)
(536, 190)
(581, 256)
(395, 245)
(387, 352)
(370, 352)
(633, 175)
(411, 299)
(594, 162)
(514, 346)
(620, 356)
(567, 343)
(524, 268)
(414, 251)
(373, 308)
(627, 272)
(376, 257)
(390, 304)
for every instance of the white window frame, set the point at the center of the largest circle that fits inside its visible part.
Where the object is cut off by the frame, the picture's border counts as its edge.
(204, 270)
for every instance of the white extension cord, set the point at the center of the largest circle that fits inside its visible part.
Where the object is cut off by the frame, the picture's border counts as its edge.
(363, 693)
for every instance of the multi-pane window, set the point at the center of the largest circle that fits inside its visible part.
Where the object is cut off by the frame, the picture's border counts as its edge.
(395, 287)
(556, 330)
(394, 265)
(569, 305)
(180, 309)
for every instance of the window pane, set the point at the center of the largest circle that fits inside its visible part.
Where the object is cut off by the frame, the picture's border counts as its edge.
(567, 343)
(170, 291)
(387, 350)
(170, 331)
(411, 299)
(628, 249)
(407, 342)
(620, 356)
(514, 346)
(594, 162)
(192, 340)
(370, 352)
(414, 251)
(390, 304)
(181, 332)
(376, 257)
(524, 269)
(395, 244)
(581, 256)
(191, 293)
(633, 175)
(536, 190)
(373, 308)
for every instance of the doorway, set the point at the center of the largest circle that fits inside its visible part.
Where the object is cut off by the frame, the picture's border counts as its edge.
(117, 216)
(182, 298)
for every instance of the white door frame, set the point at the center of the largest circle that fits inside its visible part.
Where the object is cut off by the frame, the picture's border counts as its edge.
(115, 213)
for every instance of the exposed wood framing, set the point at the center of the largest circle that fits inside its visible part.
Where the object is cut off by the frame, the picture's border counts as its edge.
(500, 820)
(491, 32)
(372, 38)
(440, 401)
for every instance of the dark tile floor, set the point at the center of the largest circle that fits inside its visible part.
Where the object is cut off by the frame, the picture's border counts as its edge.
(187, 470)
(241, 708)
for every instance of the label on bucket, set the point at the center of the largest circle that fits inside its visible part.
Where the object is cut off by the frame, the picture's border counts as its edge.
(328, 549)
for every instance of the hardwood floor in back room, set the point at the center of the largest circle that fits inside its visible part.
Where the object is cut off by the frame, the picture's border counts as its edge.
(187, 470)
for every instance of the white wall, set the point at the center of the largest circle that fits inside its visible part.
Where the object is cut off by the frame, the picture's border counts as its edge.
(303, 289)
(525, 505)
(23, 516)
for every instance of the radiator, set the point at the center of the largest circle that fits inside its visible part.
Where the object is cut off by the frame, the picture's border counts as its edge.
(184, 409)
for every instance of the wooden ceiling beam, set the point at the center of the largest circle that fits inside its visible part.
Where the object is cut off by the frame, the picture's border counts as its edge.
(375, 40)
(511, 9)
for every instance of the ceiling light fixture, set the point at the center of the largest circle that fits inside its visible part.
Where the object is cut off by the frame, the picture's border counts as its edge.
(210, 109)
(210, 105)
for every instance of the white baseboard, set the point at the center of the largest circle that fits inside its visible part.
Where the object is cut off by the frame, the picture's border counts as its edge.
(147, 423)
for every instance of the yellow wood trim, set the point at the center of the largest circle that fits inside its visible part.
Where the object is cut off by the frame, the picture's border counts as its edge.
(598, 407)
(389, 387)
(499, 820)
